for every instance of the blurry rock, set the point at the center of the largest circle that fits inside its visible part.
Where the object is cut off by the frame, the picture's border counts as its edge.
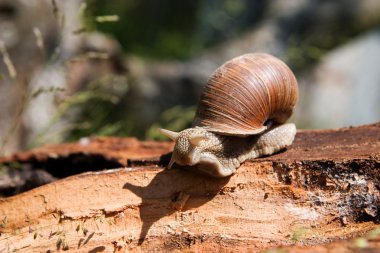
(344, 89)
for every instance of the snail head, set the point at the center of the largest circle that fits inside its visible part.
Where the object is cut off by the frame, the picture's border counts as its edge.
(189, 145)
(198, 148)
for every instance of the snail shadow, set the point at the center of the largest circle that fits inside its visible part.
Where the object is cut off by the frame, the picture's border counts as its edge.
(173, 190)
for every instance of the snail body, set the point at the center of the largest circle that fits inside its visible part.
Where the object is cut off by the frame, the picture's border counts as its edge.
(240, 116)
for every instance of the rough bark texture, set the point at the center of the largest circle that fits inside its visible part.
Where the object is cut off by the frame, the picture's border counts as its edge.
(314, 197)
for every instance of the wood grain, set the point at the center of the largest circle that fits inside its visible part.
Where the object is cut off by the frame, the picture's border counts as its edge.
(316, 196)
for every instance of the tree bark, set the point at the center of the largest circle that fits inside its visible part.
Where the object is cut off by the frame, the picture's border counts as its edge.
(316, 196)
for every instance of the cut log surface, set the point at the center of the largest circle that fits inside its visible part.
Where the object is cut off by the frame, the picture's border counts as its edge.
(322, 194)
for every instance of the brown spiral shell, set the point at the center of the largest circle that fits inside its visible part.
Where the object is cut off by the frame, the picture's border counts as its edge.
(246, 93)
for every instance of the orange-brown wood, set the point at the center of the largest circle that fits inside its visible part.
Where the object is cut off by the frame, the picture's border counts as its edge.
(321, 194)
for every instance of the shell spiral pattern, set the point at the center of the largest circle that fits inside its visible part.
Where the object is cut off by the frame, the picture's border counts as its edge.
(246, 93)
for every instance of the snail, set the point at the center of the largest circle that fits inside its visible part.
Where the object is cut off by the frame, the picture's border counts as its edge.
(241, 115)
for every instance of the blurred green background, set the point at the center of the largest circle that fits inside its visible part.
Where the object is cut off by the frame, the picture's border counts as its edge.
(126, 68)
(170, 29)
(175, 29)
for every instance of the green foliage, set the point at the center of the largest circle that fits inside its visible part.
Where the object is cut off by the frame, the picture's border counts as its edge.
(306, 46)
(374, 233)
(140, 28)
(164, 29)
(89, 111)
(363, 242)
(299, 233)
(173, 29)
(176, 119)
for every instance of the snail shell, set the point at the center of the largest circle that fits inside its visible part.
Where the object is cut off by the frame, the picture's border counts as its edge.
(249, 96)
(246, 95)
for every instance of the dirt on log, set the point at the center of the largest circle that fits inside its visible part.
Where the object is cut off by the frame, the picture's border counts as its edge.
(322, 194)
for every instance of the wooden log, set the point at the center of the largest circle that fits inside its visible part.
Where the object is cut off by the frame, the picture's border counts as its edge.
(317, 195)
